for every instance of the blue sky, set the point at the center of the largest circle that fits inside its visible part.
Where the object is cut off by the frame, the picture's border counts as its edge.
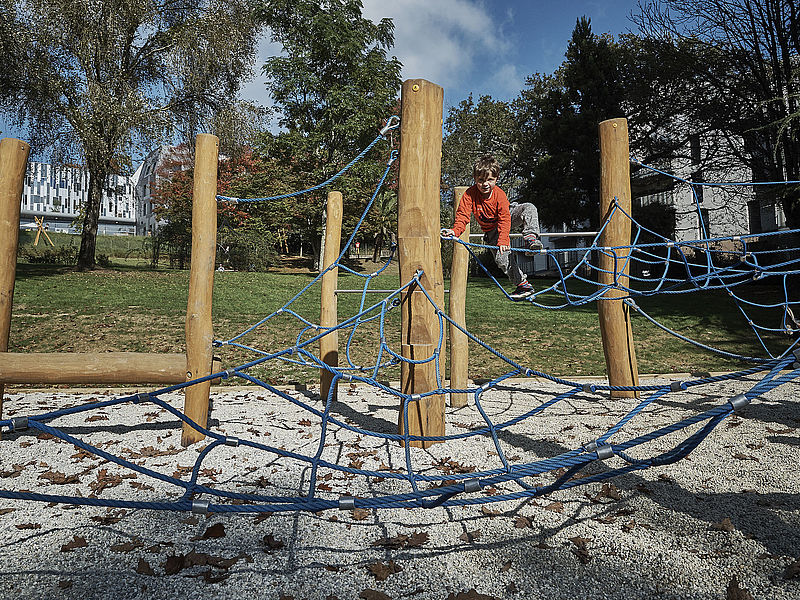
(487, 47)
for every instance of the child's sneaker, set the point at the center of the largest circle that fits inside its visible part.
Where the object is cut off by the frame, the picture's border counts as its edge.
(533, 242)
(523, 290)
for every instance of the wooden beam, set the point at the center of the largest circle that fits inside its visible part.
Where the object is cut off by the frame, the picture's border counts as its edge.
(615, 319)
(101, 367)
(418, 227)
(199, 330)
(459, 342)
(329, 344)
(13, 164)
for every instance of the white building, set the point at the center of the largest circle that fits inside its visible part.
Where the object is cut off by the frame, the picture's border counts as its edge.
(57, 193)
(156, 165)
(725, 211)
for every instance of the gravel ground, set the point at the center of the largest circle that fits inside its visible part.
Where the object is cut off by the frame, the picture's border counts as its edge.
(726, 518)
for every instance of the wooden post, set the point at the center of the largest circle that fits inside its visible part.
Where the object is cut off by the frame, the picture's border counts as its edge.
(100, 367)
(459, 342)
(199, 331)
(13, 164)
(329, 344)
(615, 319)
(418, 226)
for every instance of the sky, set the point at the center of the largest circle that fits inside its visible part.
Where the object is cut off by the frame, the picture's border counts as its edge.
(483, 47)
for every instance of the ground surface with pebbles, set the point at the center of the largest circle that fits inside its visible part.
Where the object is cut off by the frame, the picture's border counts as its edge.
(724, 520)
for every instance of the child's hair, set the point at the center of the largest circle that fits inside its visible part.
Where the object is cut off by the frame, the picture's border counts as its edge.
(486, 164)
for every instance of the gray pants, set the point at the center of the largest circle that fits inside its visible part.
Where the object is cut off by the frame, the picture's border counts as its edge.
(523, 216)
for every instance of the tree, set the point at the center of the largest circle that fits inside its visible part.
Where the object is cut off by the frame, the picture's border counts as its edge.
(94, 77)
(333, 90)
(558, 116)
(742, 55)
(471, 130)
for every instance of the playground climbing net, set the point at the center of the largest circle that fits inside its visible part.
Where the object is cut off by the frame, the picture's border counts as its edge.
(655, 265)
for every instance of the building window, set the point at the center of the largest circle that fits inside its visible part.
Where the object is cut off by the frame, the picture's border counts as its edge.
(694, 146)
(697, 177)
(754, 216)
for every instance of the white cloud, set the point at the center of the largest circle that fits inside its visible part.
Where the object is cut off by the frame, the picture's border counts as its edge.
(445, 41)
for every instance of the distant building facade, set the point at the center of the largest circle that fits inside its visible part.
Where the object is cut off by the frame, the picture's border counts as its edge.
(155, 166)
(57, 193)
(708, 211)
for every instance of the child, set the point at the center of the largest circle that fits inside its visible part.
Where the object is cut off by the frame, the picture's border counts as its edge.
(496, 218)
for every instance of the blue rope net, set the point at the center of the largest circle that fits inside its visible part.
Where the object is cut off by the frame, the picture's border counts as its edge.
(613, 451)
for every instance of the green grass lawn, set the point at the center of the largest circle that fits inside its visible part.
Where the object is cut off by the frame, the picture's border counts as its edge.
(133, 309)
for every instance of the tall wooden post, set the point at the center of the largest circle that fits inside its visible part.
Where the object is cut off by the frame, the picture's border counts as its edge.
(199, 331)
(418, 226)
(329, 344)
(459, 342)
(615, 319)
(13, 164)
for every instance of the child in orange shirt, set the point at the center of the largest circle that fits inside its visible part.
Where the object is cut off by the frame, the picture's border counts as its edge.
(496, 217)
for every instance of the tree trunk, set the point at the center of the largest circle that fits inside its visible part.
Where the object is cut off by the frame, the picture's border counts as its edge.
(86, 254)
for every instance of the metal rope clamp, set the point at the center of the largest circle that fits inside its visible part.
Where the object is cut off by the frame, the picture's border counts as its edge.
(796, 353)
(472, 485)
(738, 402)
(603, 450)
(347, 503)
(19, 423)
(200, 507)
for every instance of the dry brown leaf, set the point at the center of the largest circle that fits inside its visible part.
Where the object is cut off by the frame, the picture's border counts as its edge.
(217, 530)
(734, 592)
(724, 525)
(522, 522)
(382, 571)
(793, 570)
(470, 595)
(144, 568)
(369, 594)
(359, 514)
(127, 546)
(58, 478)
(28, 526)
(470, 536)
(271, 543)
(76, 542)
(557, 507)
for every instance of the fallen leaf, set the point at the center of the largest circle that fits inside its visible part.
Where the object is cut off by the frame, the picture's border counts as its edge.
(127, 546)
(57, 478)
(144, 568)
(76, 542)
(470, 595)
(65, 584)
(271, 543)
(734, 592)
(793, 570)
(557, 507)
(724, 525)
(369, 594)
(28, 526)
(359, 514)
(382, 571)
(470, 536)
(217, 530)
(522, 522)
(506, 566)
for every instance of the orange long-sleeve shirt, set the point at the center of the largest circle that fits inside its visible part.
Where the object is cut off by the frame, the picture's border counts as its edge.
(491, 213)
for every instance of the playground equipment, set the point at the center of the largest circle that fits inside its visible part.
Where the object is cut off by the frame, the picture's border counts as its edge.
(422, 390)
(119, 367)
